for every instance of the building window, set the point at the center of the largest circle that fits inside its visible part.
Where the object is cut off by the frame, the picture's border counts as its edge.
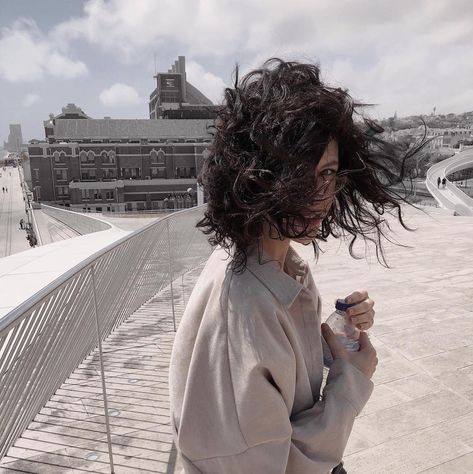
(90, 156)
(85, 194)
(109, 173)
(161, 157)
(62, 190)
(36, 174)
(158, 173)
(88, 175)
(111, 157)
(56, 157)
(83, 156)
(61, 175)
(181, 172)
(133, 173)
(153, 156)
(110, 194)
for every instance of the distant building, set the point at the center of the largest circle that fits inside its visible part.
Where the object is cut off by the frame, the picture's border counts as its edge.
(453, 137)
(118, 164)
(438, 137)
(15, 139)
(175, 98)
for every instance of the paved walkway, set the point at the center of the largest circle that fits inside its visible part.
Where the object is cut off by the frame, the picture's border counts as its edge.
(451, 197)
(419, 419)
(12, 209)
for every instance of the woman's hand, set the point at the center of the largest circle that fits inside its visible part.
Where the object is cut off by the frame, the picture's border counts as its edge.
(362, 313)
(365, 359)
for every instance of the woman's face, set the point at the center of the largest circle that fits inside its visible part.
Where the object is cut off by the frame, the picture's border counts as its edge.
(325, 179)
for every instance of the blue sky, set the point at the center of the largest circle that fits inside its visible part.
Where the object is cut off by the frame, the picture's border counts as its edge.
(404, 56)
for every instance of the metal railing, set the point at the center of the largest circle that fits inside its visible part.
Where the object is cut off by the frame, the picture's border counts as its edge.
(44, 339)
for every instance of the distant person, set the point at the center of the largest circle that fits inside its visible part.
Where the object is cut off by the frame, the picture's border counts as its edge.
(444, 182)
(438, 182)
(22, 223)
(289, 162)
(3, 188)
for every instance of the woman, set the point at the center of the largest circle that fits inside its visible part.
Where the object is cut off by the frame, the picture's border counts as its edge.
(288, 162)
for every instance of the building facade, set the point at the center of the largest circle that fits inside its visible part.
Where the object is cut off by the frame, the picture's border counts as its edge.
(118, 165)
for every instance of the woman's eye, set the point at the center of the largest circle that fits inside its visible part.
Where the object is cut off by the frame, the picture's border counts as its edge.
(328, 172)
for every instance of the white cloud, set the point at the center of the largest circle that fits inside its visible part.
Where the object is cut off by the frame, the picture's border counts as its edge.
(406, 56)
(209, 84)
(27, 55)
(210, 26)
(31, 99)
(119, 95)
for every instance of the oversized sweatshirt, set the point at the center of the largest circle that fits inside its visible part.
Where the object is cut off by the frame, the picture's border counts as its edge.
(246, 374)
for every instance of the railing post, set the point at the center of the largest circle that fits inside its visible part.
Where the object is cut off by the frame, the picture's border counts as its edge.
(183, 295)
(171, 276)
(104, 390)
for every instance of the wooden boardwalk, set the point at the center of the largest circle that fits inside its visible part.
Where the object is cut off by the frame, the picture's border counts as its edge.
(69, 436)
(419, 419)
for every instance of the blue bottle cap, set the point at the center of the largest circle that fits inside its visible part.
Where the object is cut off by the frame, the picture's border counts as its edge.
(342, 306)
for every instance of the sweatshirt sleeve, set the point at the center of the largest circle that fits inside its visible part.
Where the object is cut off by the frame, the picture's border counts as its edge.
(259, 433)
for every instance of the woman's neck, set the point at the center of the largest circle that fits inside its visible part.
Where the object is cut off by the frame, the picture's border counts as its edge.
(275, 248)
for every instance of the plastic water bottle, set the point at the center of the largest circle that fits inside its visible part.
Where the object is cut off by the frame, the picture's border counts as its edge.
(346, 332)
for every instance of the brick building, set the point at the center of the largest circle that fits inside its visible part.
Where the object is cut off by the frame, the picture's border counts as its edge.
(118, 164)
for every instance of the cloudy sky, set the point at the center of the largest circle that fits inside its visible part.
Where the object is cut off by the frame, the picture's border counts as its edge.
(406, 56)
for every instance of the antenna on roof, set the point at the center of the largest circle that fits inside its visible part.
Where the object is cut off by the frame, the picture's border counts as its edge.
(155, 68)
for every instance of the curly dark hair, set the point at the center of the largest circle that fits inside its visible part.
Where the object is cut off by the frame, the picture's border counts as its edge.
(268, 137)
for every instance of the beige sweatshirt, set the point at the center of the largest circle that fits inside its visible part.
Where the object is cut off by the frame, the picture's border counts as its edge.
(246, 373)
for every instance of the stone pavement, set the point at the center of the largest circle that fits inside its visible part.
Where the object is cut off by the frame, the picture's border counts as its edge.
(419, 419)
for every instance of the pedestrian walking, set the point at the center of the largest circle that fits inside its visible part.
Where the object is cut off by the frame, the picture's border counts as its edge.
(444, 182)
(438, 182)
(22, 223)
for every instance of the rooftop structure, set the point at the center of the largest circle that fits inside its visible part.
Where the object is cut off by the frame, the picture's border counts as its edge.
(175, 98)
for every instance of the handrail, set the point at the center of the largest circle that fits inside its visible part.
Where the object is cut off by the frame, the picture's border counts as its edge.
(45, 338)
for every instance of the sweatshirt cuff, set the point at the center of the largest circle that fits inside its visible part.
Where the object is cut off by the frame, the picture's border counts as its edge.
(350, 383)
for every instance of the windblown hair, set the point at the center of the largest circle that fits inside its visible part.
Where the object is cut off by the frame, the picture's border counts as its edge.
(268, 138)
